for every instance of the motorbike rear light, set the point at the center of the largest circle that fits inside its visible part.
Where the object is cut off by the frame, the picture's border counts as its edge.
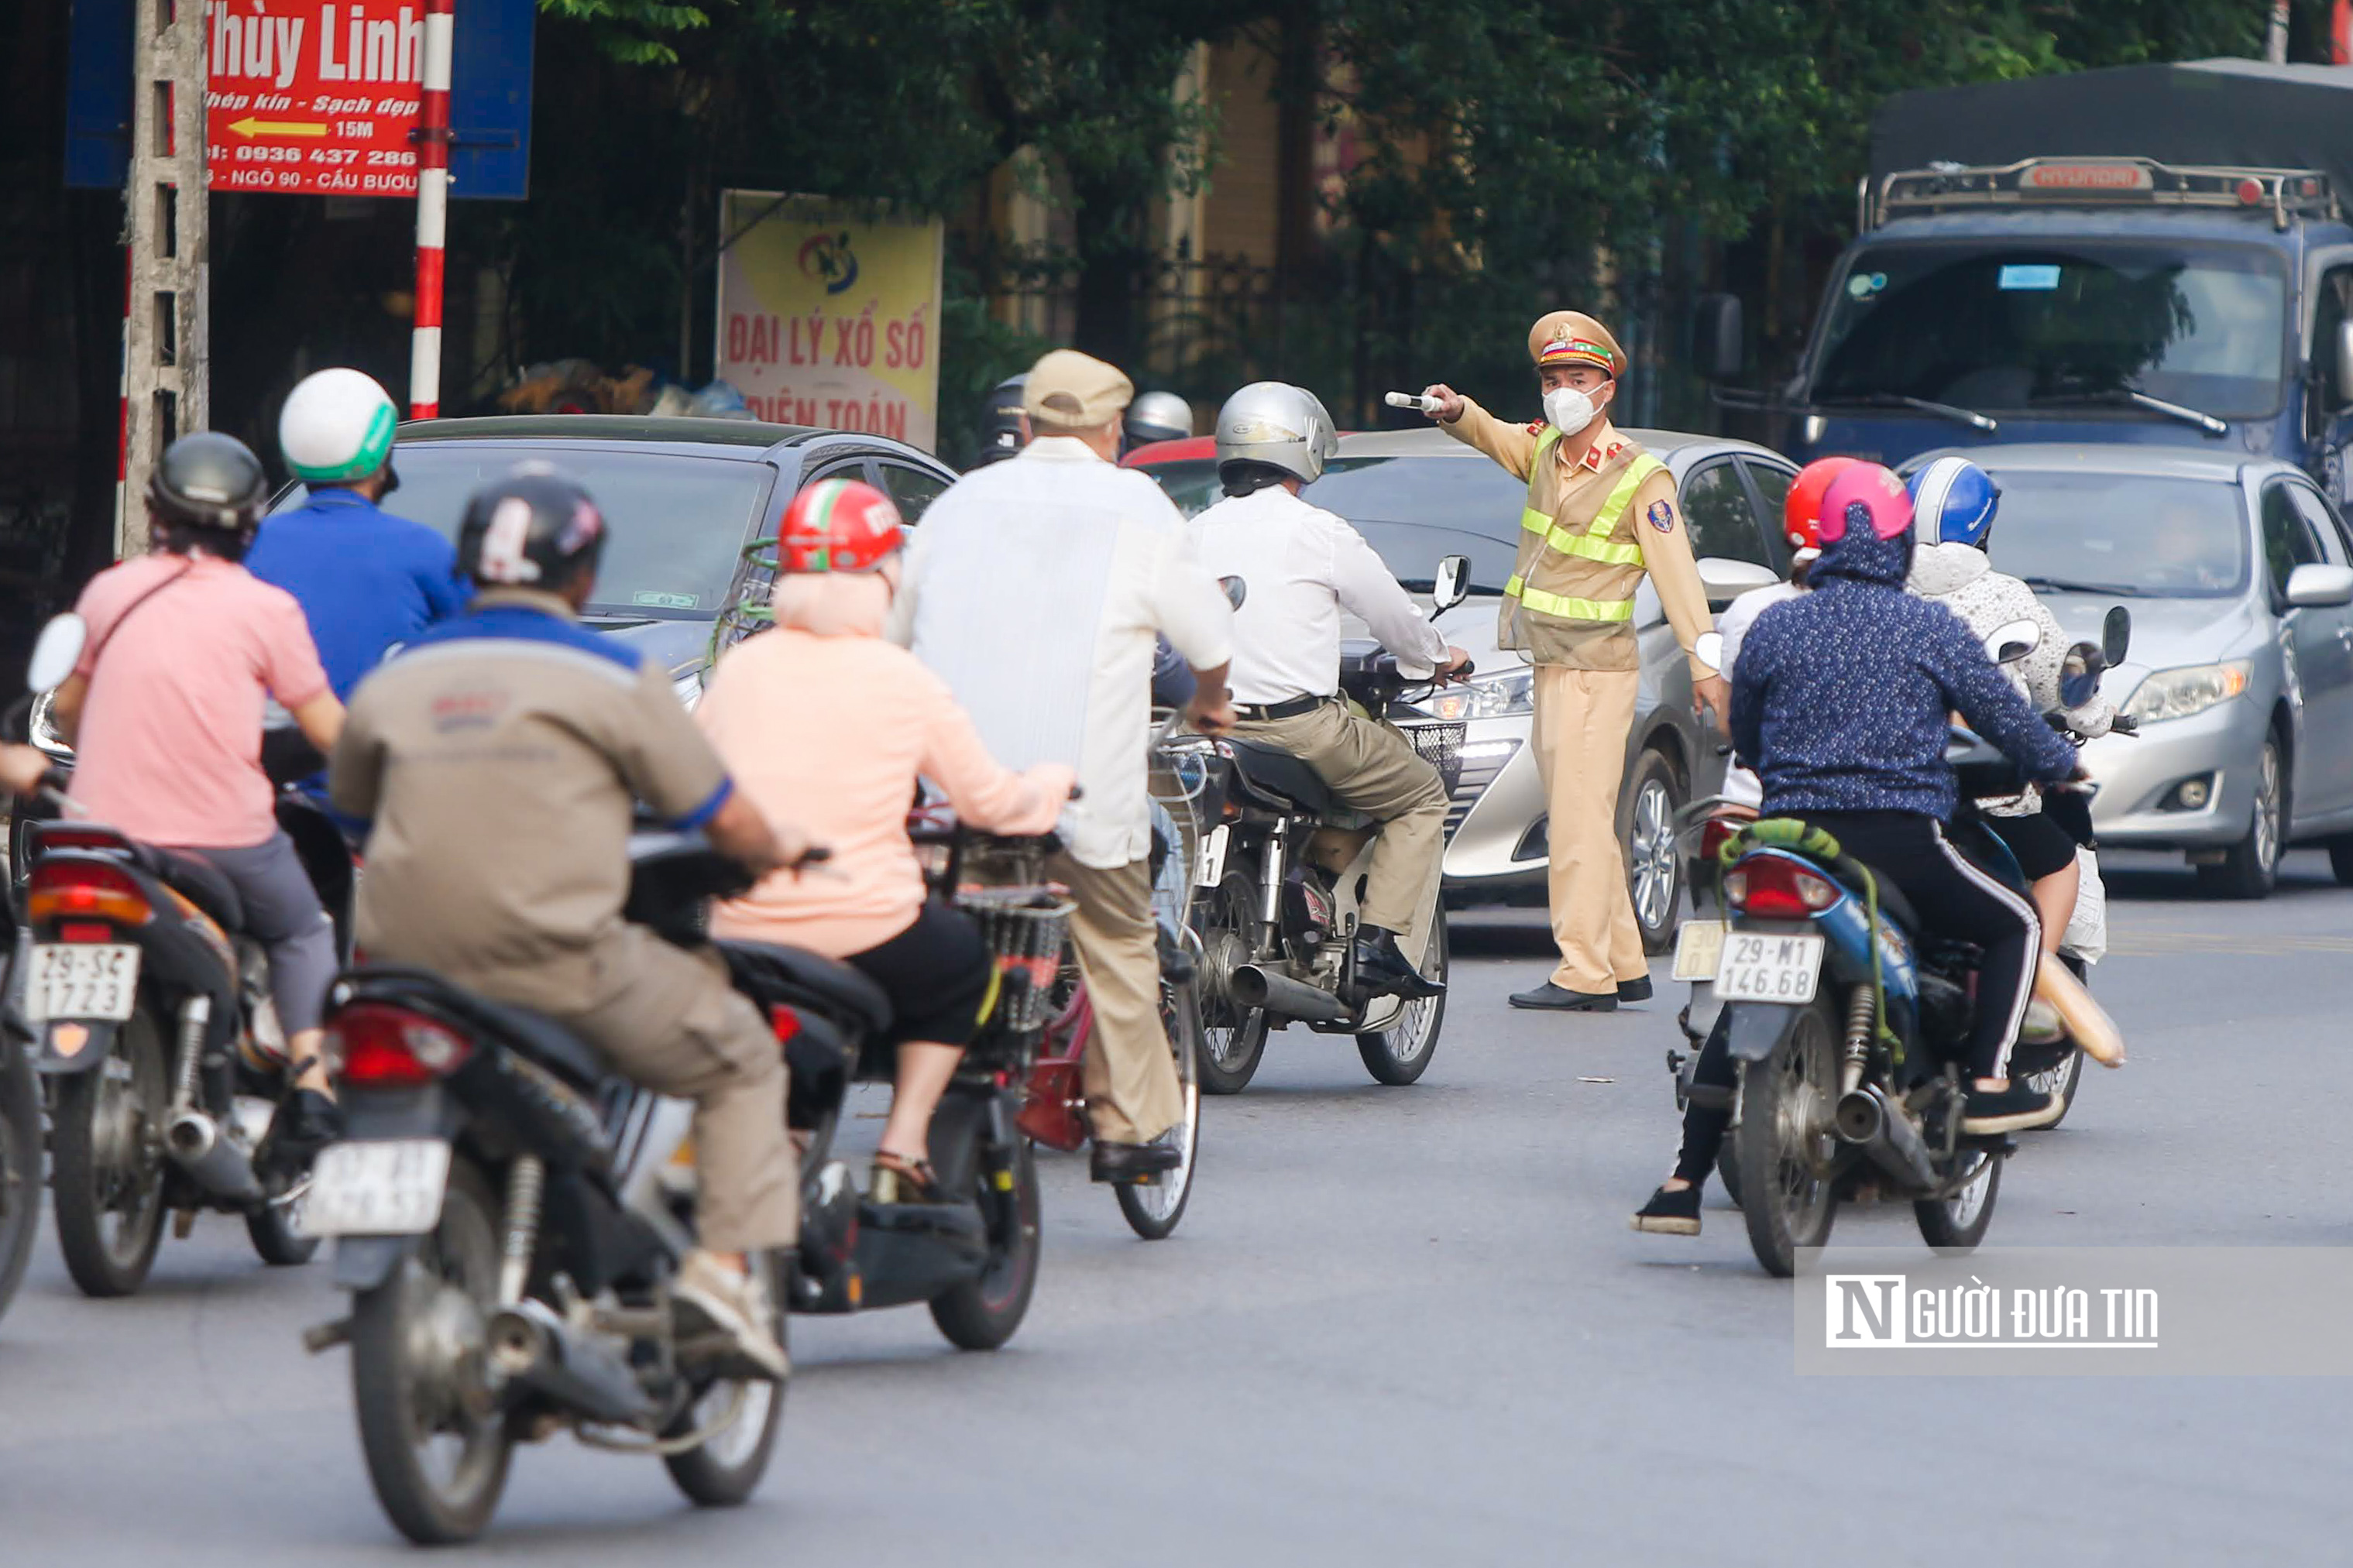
(63, 889)
(1776, 889)
(385, 1047)
(1716, 830)
(784, 1023)
(67, 836)
(85, 931)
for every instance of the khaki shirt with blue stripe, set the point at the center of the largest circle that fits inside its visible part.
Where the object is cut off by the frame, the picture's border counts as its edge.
(1589, 532)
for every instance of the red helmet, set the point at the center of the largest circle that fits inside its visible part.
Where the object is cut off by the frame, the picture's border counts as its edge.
(839, 525)
(1801, 514)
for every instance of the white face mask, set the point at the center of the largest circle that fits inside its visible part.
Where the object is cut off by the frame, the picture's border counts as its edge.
(1570, 409)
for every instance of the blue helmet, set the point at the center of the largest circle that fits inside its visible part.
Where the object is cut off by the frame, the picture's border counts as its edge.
(1954, 500)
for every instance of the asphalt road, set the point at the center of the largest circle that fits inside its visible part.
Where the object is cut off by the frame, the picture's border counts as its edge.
(1398, 1326)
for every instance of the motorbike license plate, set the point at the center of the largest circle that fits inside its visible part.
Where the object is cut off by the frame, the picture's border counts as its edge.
(1211, 869)
(1699, 949)
(1763, 968)
(391, 1187)
(82, 979)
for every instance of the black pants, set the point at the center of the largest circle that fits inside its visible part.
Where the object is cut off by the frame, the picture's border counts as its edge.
(2039, 846)
(1956, 900)
(937, 973)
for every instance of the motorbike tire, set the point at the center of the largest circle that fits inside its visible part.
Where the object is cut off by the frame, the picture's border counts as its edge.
(20, 1168)
(1400, 1054)
(108, 1167)
(461, 1254)
(1959, 1224)
(278, 1239)
(726, 1470)
(982, 1314)
(1151, 1212)
(2061, 1080)
(1727, 1167)
(1787, 1204)
(1233, 1037)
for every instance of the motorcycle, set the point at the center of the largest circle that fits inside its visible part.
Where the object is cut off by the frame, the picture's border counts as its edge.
(150, 1011)
(1279, 880)
(1844, 1018)
(508, 1214)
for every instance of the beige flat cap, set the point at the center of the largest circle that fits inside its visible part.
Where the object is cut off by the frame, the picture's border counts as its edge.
(1070, 391)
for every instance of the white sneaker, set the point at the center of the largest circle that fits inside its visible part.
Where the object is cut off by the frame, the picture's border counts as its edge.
(714, 1298)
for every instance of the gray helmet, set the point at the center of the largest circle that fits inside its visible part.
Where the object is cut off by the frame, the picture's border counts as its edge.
(1279, 426)
(1158, 416)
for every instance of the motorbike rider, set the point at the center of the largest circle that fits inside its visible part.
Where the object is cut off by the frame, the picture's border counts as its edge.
(367, 579)
(1305, 567)
(1841, 701)
(1155, 416)
(497, 758)
(1954, 502)
(1005, 426)
(822, 720)
(164, 712)
(1035, 587)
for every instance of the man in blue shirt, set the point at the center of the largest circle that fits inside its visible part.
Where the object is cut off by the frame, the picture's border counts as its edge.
(366, 579)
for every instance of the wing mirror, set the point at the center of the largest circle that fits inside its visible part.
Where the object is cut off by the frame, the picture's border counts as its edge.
(1236, 590)
(56, 652)
(2344, 347)
(2079, 674)
(2314, 586)
(1709, 651)
(1717, 330)
(1724, 579)
(1451, 585)
(2116, 636)
(2010, 643)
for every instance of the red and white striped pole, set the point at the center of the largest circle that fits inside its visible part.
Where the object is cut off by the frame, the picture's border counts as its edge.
(432, 208)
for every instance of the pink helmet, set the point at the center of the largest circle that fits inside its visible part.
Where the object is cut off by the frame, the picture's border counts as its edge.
(1865, 494)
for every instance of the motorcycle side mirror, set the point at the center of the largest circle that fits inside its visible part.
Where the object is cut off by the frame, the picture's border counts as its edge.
(1709, 651)
(2010, 643)
(2116, 636)
(1236, 590)
(2343, 349)
(2079, 676)
(1451, 585)
(56, 652)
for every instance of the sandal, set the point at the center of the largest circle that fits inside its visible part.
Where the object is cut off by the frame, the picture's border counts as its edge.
(899, 1180)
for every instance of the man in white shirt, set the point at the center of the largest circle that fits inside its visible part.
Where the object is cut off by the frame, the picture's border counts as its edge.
(1303, 566)
(1034, 588)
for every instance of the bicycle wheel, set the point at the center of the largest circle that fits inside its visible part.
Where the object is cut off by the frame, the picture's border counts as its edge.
(1153, 1210)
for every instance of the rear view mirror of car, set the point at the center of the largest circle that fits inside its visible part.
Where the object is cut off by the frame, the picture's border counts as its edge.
(2010, 643)
(1725, 579)
(2343, 347)
(2316, 587)
(1451, 585)
(2116, 636)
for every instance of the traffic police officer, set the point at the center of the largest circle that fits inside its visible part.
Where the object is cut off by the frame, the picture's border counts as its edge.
(1601, 513)
(499, 755)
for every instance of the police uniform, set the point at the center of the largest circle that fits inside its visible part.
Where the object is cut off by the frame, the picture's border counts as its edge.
(1592, 527)
(500, 757)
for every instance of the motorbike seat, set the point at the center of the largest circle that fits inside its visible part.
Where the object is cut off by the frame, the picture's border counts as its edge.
(1893, 904)
(790, 976)
(540, 1038)
(198, 881)
(1272, 771)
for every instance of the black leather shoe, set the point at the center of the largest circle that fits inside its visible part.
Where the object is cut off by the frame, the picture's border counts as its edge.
(1552, 998)
(1634, 990)
(1176, 965)
(1382, 970)
(306, 1122)
(1133, 1161)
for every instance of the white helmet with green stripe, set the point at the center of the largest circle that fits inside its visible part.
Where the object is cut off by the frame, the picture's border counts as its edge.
(336, 427)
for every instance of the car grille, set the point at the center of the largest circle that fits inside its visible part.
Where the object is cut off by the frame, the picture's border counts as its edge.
(1476, 772)
(1440, 745)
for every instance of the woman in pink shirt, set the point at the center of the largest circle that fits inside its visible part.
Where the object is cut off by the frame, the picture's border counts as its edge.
(164, 712)
(823, 721)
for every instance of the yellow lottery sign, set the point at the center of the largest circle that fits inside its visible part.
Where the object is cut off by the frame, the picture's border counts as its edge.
(830, 315)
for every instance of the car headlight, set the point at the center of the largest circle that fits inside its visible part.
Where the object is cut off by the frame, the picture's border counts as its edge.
(1487, 697)
(688, 684)
(2191, 689)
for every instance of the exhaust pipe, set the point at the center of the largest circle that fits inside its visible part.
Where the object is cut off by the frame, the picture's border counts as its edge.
(1885, 1134)
(529, 1344)
(1254, 986)
(217, 1164)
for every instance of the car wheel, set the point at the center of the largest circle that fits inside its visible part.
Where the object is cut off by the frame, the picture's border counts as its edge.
(1646, 830)
(2250, 868)
(2340, 859)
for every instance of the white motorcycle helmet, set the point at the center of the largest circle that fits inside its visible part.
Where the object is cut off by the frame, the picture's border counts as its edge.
(336, 427)
(1274, 425)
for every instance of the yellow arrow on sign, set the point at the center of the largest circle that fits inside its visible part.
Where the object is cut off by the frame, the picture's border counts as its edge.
(251, 127)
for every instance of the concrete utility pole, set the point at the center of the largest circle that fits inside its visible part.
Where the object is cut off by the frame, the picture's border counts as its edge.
(166, 325)
(2275, 39)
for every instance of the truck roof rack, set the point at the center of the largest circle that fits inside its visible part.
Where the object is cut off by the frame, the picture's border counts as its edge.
(2101, 183)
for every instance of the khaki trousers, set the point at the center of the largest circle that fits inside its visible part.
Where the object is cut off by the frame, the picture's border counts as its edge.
(669, 1019)
(1583, 717)
(1129, 1073)
(1371, 768)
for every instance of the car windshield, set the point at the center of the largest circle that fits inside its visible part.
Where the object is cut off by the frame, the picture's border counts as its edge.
(1413, 512)
(2119, 534)
(2057, 324)
(677, 522)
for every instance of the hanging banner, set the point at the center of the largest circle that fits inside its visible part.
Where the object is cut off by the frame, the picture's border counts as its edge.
(830, 315)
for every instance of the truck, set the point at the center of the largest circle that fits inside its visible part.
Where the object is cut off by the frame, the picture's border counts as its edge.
(2150, 254)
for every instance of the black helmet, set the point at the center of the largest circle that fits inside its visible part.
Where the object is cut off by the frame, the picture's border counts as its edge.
(532, 528)
(210, 482)
(1004, 426)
